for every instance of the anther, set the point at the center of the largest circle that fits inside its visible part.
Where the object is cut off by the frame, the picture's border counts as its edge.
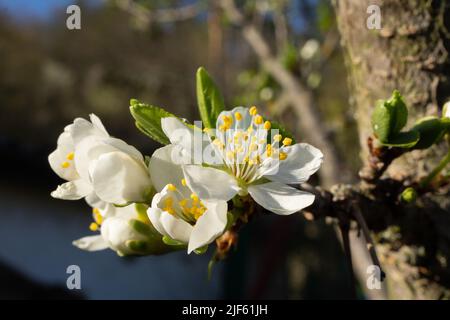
(287, 141)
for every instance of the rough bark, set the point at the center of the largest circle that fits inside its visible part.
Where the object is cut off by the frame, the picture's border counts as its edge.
(409, 53)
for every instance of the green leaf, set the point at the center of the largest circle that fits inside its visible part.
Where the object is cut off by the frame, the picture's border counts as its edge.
(399, 110)
(431, 130)
(389, 117)
(148, 120)
(406, 139)
(210, 100)
(381, 121)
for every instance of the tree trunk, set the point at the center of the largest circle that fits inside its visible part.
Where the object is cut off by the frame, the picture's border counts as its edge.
(408, 53)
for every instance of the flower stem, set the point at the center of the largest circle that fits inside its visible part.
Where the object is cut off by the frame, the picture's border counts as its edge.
(436, 171)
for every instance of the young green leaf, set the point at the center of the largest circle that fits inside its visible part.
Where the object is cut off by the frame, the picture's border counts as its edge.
(381, 121)
(148, 120)
(409, 195)
(406, 140)
(210, 100)
(399, 110)
(431, 130)
(389, 117)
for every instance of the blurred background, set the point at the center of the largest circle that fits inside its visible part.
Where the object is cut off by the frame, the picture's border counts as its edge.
(150, 50)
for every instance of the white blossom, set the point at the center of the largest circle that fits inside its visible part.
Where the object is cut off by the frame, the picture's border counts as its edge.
(97, 165)
(177, 212)
(249, 164)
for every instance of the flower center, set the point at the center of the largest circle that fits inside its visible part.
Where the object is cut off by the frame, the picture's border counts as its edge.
(245, 150)
(189, 209)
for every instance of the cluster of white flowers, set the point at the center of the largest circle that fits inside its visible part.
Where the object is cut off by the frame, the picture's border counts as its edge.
(139, 203)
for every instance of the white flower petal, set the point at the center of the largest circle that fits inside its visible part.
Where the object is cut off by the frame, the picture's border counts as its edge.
(154, 214)
(210, 183)
(177, 132)
(82, 128)
(118, 178)
(280, 198)
(72, 190)
(91, 243)
(56, 160)
(120, 145)
(175, 228)
(209, 226)
(303, 160)
(98, 123)
(95, 202)
(116, 231)
(163, 171)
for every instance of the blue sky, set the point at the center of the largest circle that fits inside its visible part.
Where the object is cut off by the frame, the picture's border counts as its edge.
(40, 9)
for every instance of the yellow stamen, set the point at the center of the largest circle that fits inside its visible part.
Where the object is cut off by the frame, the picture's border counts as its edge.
(227, 120)
(277, 138)
(93, 226)
(269, 150)
(287, 141)
(259, 119)
(65, 164)
(253, 147)
(267, 125)
(183, 203)
(238, 116)
(70, 156)
(253, 111)
(194, 197)
(168, 205)
(230, 154)
(283, 156)
(171, 187)
(97, 216)
(183, 182)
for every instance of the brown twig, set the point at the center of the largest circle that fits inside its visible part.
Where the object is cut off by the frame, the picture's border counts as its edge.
(365, 229)
(344, 227)
(380, 158)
